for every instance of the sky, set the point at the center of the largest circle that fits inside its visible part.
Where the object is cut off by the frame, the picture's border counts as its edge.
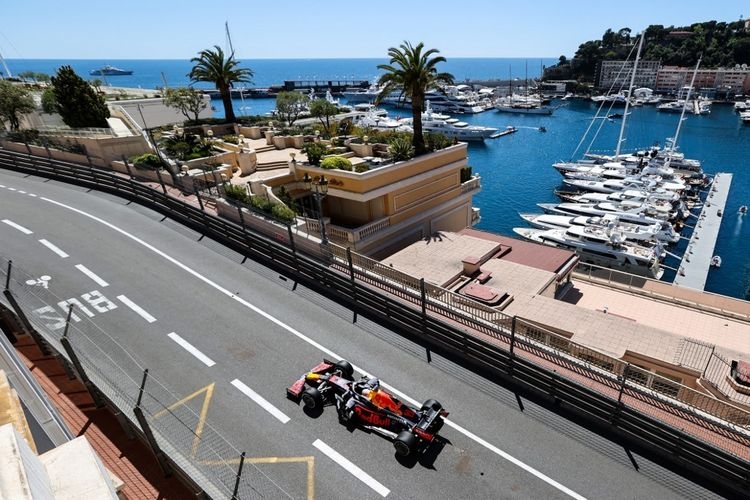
(292, 29)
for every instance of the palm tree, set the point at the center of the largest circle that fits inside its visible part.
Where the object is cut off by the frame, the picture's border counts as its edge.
(211, 66)
(414, 73)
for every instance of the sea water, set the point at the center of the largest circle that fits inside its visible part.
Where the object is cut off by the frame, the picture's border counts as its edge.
(516, 169)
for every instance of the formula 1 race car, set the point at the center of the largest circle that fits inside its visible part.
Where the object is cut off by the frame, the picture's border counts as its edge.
(363, 402)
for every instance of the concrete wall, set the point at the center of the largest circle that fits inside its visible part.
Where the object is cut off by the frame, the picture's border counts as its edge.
(151, 113)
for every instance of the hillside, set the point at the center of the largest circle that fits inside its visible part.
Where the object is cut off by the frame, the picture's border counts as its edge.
(721, 44)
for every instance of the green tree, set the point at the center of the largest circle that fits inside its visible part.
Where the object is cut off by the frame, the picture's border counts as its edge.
(223, 72)
(189, 102)
(97, 84)
(77, 102)
(27, 75)
(323, 111)
(14, 102)
(289, 105)
(414, 72)
(49, 103)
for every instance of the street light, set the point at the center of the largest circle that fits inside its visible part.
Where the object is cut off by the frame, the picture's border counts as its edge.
(319, 189)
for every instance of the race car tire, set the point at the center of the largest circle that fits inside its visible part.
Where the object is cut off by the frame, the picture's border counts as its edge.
(347, 370)
(431, 404)
(405, 443)
(312, 398)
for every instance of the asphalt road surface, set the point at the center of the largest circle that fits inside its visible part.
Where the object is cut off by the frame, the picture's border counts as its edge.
(202, 320)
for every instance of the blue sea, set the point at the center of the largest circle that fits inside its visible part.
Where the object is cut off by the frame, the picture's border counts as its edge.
(516, 169)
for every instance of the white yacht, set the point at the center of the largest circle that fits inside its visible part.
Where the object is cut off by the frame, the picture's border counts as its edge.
(629, 211)
(646, 182)
(458, 130)
(597, 247)
(642, 231)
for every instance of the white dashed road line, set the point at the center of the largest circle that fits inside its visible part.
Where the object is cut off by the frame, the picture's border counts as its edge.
(88, 272)
(54, 248)
(135, 307)
(18, 226)
(191, 349)
(351, 468)
(261, 401)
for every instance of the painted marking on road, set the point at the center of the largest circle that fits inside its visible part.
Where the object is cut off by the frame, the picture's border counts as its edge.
(209, 390)
(88, 272)
(22, 192)
(32, 195)
(136, 308)
(18, 226)
(191, 349)
(54, 248)
(261, 401)
(11, 189)
(310, 461)
(307, 339)
(351, 468)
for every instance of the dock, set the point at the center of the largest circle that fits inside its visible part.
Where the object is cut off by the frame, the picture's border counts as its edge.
(696, 262)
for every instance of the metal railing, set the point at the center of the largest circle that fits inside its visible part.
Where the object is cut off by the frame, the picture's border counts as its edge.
(624, 402)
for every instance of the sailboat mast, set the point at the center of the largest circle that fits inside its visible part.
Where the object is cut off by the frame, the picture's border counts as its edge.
(8, 74)
(630, 93)
(685, 105)
(229, 38)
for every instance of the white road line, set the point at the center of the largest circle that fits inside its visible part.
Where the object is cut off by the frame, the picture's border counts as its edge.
(135, 307)
(191, 349)
(88, 272)
(12, 189)
(313, 343)
(351, 468)
(32, 195)
(54, 248)
(261, 401)
(18, 226)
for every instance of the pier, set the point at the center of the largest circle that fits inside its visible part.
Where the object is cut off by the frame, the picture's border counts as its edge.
(696, 262)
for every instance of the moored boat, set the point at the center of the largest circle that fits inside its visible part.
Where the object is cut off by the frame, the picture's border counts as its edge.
(108, 70)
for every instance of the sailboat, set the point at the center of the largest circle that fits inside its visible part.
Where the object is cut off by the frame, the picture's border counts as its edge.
(522, 105)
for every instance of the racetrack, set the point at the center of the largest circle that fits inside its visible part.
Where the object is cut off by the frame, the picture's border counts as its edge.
(191, 312)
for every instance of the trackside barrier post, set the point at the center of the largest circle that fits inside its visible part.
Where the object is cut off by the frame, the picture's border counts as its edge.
(160, 457)
(22, 319)
(511, 354)
(353, 281)
(244, 228)
(239, 476)
(127, 166)
(619, 405)
(161, 181)
(423, 295)
(65, 341)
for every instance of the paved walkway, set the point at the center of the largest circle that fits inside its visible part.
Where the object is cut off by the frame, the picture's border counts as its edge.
(696, 262)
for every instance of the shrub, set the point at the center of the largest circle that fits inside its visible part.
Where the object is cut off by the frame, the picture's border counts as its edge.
(336, 162)
(230, 138)
(436, 142)
(314, 152)
(361, 167)
(401, 149)
(465, 174)
(147, 161)
(260, 203)
(282, 212)
(235, 192)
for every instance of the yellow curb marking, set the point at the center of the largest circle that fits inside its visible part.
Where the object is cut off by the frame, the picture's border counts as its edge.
(209, 390)
(276, 460)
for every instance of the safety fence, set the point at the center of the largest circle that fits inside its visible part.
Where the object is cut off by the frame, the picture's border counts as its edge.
(648, 413)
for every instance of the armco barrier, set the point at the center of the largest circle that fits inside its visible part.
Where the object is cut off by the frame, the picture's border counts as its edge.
(715, 452)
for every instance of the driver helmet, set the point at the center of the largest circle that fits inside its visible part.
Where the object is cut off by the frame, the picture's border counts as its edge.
(373, 384)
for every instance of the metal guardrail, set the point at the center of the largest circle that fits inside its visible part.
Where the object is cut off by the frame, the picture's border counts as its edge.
(500, 347)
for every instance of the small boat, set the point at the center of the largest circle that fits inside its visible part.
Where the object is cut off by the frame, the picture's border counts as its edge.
(743, 210)
(716, 261)
(108, 70)
(542, 129)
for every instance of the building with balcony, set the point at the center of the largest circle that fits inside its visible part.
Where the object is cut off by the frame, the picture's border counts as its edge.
(708, 82)
(615, 75)
(391, 205)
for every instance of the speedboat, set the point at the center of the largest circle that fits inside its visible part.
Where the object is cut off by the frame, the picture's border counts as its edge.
(630, 211)
(108, 70)
(595, 246)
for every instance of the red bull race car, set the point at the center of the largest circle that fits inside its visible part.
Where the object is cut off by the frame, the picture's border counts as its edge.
(363, 402)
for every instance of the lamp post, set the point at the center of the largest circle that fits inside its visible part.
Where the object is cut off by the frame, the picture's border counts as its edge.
(319, 189)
